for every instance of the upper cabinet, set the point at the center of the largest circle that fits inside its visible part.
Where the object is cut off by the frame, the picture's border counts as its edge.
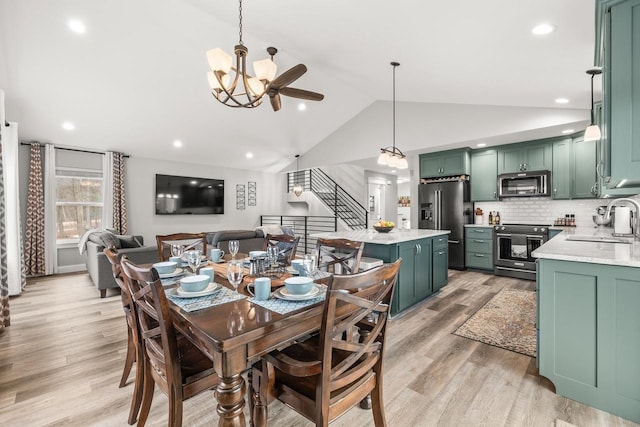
(484, 175)
(574, 169)
(618, 38)
(525, 157)
(444, 163)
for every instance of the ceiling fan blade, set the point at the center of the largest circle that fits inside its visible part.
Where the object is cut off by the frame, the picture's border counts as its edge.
(289, 76)
(275, 102)
(302, 94)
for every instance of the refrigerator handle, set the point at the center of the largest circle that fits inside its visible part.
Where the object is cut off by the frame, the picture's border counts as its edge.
(439, 209)
(436, 211)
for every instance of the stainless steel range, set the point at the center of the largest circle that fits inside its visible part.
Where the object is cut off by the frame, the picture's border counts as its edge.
(512, 247)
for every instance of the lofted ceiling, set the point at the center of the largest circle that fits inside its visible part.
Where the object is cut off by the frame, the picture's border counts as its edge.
(136, 80)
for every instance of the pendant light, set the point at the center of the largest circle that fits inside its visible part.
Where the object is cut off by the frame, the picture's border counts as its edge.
(392, 156)
(297, 187)
(592, 133)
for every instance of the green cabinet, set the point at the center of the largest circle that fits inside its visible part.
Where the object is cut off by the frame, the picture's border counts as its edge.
(589, 333)
(525, 157)
(574, 169)
(478, 243)
(484, 175)
(440, 262)
(445, 163)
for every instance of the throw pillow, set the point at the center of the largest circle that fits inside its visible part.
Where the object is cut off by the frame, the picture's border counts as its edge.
(127, 242)
(109, 239)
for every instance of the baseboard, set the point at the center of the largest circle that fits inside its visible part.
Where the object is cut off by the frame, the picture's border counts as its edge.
(71, 268)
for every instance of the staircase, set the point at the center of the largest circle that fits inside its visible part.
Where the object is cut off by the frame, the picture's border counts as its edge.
(343, 205)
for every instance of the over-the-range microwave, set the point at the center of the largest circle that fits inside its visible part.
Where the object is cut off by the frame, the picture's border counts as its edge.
(524, 184)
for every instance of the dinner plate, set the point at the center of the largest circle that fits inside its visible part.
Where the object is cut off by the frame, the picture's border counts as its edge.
(282, 293)
(178, 271)
(178, 292)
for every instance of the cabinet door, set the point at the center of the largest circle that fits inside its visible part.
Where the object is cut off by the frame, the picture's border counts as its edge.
(455, 163)
(509, 159)
(484, 172)
(584, 169)
(623, 80)
(430, 165)
(537, 157)
(405, 292)
(561, 175)
(440, 268)
(422, 269)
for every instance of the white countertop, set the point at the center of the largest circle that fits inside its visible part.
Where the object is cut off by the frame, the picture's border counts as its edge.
(391, 238)
(478, 225)
(622, 254)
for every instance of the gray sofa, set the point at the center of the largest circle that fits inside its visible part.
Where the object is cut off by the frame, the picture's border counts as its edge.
(99, 267)
(250, 240)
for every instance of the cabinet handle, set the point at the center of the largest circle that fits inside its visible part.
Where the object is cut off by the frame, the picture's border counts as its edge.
(480, 231)
(419, 249)
(441, 253)
(478, 241)
(479, 255)
(495, 194)
(555, 191)
(520, 167)
(525, 166)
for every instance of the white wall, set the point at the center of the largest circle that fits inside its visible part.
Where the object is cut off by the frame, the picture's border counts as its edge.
(350, 178)
(390, 212)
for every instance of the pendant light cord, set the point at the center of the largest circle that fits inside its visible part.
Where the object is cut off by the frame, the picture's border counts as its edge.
(395, 64)
(240, 32)
(592, 112)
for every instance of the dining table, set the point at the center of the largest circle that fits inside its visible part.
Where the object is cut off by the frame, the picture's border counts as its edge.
(237, 333)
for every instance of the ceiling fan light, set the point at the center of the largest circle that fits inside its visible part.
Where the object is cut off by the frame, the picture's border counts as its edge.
(592, 133)
(265, 69)
(383, 158)
(219, 60)
(256, 86)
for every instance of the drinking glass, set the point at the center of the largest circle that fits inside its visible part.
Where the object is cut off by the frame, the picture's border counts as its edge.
(234, 246)
(193, 258)
(310, 264)
(235, 273)
(177, 250)
(272, 255)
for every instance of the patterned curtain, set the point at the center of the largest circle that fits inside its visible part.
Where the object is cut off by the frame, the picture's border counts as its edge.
(119, 197)
(34, 245)
(5, 319)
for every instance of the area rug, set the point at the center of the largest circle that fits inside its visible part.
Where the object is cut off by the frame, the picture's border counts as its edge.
(506, 321)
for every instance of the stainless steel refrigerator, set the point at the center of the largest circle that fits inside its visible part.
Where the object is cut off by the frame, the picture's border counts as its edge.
(445, 205)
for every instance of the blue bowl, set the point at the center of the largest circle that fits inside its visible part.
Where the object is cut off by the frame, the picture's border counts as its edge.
(298, 285)
(195, 283)
(165, 267)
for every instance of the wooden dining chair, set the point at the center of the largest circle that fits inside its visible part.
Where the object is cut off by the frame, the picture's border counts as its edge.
(326, 375)
(134, 350)
(172, 362)
(344, 253)
(189, 240)
(287, 244)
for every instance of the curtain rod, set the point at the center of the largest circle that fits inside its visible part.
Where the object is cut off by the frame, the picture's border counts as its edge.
(75, 149)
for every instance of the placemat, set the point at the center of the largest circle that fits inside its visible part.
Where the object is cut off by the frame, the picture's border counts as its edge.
(281, 306)
(221, 296)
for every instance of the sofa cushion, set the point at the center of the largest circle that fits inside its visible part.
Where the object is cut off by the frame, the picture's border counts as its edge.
(105, 239)
(127, 242)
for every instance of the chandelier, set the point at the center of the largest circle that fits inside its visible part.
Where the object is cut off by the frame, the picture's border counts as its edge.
(243, 90)
(592, 132)
(297, 188)
(392, 156)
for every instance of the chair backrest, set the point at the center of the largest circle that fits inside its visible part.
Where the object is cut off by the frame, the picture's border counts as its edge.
(339, 252)
(287, 244)
(367, 297)
(114, 259)
(155, 323)
(189, 240)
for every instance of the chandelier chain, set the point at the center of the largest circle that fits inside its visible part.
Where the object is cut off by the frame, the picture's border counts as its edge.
(240, 32)
(394, 107)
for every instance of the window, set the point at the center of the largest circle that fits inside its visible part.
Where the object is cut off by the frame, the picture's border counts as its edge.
(79, 202)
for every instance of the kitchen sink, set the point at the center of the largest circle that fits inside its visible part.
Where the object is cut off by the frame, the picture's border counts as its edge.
(601, 239)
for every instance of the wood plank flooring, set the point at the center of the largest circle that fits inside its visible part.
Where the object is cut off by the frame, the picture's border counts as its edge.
(61, 361)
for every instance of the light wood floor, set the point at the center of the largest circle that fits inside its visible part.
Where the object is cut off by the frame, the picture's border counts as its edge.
(61, 361)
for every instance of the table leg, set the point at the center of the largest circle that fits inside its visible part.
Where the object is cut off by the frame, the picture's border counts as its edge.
(231, 390)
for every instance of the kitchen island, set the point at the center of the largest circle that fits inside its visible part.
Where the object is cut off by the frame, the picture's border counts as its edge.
(588, 286)
(425, 260)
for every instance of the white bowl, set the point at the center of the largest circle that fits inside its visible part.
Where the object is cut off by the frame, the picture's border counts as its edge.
(257, 254)
(298, 285)
(196, 283)
(165, 267)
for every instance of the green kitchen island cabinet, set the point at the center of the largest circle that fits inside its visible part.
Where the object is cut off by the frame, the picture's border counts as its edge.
(589, 321)
(425, 260)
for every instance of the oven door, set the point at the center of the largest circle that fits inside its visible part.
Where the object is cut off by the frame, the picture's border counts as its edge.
(514, 250)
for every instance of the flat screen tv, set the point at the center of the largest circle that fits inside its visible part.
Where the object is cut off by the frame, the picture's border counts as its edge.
(181, 195)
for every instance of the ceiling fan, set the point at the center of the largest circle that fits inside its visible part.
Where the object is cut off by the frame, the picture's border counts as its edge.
(280, 85)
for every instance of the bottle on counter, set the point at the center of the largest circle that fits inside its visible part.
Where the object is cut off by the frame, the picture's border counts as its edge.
(490, 217)
(497, 218)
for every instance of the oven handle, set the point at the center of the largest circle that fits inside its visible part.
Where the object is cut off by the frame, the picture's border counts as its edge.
(535, 237)
(503, 235)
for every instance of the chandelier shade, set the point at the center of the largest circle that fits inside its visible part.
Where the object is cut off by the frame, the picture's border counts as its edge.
(592, 132)
(392, 156)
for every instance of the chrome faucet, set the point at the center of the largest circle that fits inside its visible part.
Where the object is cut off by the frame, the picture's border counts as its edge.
(635, 229)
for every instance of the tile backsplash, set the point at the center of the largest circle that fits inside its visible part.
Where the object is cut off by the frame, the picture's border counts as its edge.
(543, 210)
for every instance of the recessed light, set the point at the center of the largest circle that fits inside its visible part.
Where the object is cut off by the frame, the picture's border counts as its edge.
(249, 155)
(393, 171)
(177, 143)
(68, 126)
(562, 101)
(77, 26)
(543, 29)
(567, 131)
(194, 182)
(302, 106)
(482, 144)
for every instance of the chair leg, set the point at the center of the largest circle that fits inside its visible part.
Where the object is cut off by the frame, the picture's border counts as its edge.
(103, 293)
(147, 395)
(377, 403)
(175, 408)
(138, 386)
(131, 357)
